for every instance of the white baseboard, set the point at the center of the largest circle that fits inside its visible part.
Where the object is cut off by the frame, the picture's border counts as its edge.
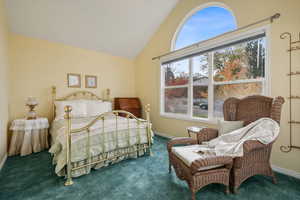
(3, 161)
(163, 135)
(286, 171)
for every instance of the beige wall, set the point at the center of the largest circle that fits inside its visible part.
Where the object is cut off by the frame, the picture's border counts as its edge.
(3, 82)
(147, 71)
(36, 65)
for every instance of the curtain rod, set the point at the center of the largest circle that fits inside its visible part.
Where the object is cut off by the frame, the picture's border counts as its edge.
(271, 19)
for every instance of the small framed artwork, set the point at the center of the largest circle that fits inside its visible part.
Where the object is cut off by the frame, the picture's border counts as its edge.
(90, 81)
(74, 80)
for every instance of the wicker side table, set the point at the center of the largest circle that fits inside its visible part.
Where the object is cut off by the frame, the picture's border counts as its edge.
(194, 130)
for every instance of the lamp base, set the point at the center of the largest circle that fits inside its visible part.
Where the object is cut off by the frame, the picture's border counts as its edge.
(31, 115)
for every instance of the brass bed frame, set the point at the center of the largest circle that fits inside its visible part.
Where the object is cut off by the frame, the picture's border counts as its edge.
(69, 131)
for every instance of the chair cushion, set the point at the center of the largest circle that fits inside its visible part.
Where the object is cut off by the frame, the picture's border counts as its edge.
(188, 154)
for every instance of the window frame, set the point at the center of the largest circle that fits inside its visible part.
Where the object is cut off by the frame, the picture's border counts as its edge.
(266, 86)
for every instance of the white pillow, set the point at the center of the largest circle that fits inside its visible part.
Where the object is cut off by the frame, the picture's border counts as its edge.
(79, 108)
(88, 101)
(229, 126)
(95, 108)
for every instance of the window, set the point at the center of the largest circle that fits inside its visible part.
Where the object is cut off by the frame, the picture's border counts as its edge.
(204, 24)
(238, 71)
(196, 82)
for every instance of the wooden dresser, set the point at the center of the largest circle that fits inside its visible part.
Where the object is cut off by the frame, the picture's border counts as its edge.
(130, 104)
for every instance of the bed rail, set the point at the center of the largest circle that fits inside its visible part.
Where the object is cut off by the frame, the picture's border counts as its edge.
(116, 113)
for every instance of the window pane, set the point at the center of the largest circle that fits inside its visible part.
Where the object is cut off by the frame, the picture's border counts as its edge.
(177, 73)
(200, 86)
(222, 92)
(200, 103)
(176, 100)
(204, 24)
(241, 61)
(200, 70)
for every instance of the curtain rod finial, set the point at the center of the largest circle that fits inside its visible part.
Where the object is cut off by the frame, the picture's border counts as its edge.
(276, 16)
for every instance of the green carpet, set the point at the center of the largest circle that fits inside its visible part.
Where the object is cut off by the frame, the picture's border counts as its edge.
(32, 178)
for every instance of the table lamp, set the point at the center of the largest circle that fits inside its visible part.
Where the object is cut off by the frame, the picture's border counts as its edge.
(31, 102)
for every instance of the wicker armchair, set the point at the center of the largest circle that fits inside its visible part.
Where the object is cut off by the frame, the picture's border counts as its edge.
(256, 159)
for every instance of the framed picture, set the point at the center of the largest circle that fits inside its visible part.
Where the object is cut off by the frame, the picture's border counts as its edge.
(74, 80)
(90, 81)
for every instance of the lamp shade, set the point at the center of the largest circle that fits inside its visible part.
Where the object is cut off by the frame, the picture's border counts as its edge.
(31, 101)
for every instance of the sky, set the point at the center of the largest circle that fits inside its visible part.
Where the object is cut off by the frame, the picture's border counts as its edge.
(204, 24)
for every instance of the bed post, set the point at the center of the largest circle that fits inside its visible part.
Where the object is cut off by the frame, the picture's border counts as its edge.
(68, 110)
(147, 110)
(53, 100)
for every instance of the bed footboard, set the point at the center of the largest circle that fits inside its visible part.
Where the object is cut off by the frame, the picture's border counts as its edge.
(69, 132)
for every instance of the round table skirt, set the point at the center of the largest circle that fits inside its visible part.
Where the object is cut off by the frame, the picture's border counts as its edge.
(25, 143)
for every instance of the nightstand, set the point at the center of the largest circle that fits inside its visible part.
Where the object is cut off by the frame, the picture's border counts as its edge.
(194, 130)
(28, 136)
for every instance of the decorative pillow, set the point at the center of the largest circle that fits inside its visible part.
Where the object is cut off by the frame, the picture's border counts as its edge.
(79, 108)
(95, 108)
(229, 126)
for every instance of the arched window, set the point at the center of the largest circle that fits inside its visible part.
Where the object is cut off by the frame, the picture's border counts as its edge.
(204, 24)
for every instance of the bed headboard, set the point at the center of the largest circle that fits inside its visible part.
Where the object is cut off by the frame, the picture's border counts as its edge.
(82, 94)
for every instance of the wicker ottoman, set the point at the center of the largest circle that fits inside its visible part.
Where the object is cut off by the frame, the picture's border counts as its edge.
(202, 171)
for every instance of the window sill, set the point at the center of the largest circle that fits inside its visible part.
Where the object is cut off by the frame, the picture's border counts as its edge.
(192, 119)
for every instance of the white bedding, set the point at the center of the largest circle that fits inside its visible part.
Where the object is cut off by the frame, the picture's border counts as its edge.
(100, 128)
(102, 138)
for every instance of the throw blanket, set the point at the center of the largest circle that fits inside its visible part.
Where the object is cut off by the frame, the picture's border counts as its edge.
(264, 130)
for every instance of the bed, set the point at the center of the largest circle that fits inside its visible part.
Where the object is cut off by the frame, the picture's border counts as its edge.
(87, 134)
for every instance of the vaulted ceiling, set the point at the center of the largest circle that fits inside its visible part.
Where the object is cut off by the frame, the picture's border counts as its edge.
(118, 27)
